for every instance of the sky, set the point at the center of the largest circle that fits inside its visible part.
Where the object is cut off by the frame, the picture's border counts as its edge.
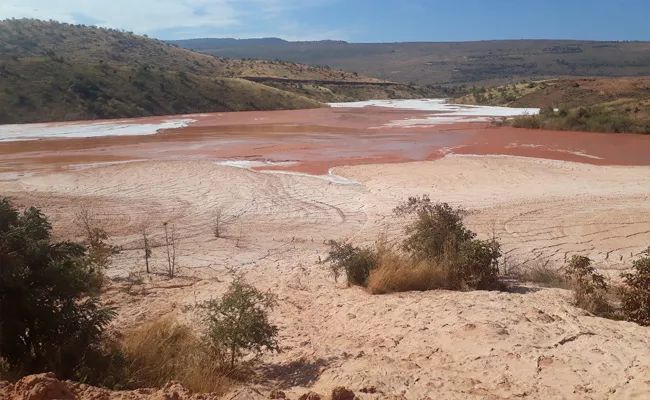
(353, 20)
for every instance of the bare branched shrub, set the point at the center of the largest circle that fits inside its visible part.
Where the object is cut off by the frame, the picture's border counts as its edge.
(636, 294)
(240, 235)
(162, 351)
(221, 220)
(171, 245)
(589, 286)
(99, 251)
(146, 245)
(239, 323)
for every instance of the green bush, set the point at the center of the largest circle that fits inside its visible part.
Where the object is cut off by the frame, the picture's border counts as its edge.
(439, 252)
(589, 119)
(436, 230)
(636, 294)
(589, 287)
(477, 265)
(50, 315)
(239, 322)
(355, 262)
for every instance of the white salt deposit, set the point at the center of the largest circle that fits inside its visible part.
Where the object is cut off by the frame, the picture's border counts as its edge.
(331, 177)
(247, 164)
(9, 133)
(445, 113)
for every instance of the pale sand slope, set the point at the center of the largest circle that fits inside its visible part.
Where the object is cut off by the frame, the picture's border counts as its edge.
(438, 344)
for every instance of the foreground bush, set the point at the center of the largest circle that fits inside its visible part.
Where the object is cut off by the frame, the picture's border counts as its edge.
(636, 294)
(50, 315)
(439, 252)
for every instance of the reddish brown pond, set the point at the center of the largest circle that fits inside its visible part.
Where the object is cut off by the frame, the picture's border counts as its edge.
(316, 140)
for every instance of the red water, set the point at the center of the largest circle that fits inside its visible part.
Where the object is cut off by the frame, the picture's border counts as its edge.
(319, 139)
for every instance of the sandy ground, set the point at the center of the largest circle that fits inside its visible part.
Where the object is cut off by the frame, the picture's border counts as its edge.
(478, 345)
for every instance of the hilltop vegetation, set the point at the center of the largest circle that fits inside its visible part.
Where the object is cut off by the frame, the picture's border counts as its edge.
(67, 91)
(91, 44)
(480, 63)
(53, 71)
(594, 104)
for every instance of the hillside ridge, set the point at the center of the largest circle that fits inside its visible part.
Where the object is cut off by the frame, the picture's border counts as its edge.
(58, 72)
(489, 62)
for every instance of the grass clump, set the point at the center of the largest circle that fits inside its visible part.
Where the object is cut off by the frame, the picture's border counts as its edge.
(439, 252)
(543, 274)
(163, 350)
(588, 119)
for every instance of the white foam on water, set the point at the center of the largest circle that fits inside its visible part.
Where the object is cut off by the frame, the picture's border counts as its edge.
(445, 113)
(10, 133)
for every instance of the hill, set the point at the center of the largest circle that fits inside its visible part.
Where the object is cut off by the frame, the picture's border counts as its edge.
(593, 104)
(54, 71)
(41, 89)
(481, 63)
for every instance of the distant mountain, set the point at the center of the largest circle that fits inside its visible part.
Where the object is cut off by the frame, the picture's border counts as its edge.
(51, 71)
(229, 43)
(473, 63)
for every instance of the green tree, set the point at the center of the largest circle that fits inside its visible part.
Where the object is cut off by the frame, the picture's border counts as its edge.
(50, 316)
(239, 322)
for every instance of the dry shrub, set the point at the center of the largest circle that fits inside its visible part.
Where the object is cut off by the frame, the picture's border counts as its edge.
(163, 350)
(467, 270)
(398, 273)
(543, 274)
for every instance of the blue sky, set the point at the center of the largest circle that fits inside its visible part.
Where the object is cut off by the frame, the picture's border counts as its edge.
(354, 20)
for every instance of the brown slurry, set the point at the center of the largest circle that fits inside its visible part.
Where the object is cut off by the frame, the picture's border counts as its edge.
(317, 140)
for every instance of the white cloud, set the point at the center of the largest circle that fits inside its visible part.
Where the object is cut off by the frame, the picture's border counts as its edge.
(150, 16)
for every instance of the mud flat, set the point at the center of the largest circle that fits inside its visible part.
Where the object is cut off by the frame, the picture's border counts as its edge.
(545, 195)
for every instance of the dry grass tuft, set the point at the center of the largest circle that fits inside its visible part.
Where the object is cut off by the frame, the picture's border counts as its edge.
(163, 350)
(398, 273)
(542, 273)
